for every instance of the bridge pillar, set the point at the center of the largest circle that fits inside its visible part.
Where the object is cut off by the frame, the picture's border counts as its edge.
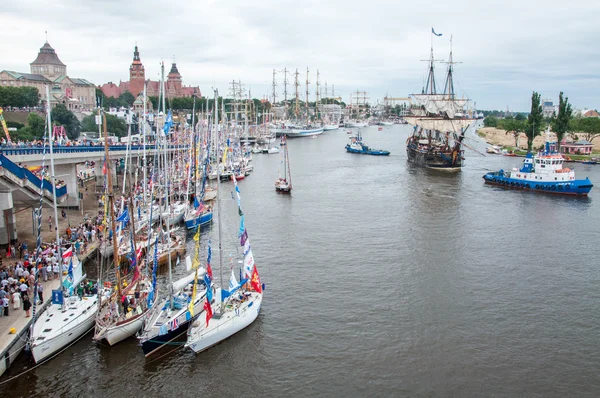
(8, 230)
(68, 174)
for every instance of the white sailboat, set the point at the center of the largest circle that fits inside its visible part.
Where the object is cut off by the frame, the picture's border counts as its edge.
(284, 182)
(69, 317)
(234, 308)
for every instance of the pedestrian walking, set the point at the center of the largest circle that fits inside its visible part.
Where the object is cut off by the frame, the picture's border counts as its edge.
(50, 223)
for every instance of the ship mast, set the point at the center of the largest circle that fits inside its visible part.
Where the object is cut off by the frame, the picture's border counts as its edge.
(317, 101)
(307, 83)
(449, 85)
(297, 85)
(112, 208)
(274, 88)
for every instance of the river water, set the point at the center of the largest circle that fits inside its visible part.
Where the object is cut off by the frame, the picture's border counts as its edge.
(382, 280)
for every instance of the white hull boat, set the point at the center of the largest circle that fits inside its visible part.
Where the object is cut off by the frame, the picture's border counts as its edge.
(225, 325)
(56, 329)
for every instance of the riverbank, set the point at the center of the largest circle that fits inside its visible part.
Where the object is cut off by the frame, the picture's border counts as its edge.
(495, 136)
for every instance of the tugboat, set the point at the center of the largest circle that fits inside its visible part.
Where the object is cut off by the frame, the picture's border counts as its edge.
(543, 172)
(358, 146)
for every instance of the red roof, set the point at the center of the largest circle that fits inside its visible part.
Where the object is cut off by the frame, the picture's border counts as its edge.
(111, 90)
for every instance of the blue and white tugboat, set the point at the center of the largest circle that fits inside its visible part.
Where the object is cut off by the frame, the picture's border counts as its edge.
(357, 145)
(543, 172)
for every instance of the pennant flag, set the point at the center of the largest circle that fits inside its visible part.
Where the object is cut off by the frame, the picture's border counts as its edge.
(197, 235)
(208, 310)
(209, 271)
(68, 253)
(248, 263)
(191, 305)
(433, 31)
(243, 238)
(208, 287)
(246, 247)
(124, 217)
(104, 168)
(209, 254)
(233, 283)
(70, 272)
(196, 203)
(242, 226)
(168, 123)
(255, 281)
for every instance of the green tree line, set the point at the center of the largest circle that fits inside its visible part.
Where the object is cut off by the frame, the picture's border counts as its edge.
(19, 96)
(562, 124)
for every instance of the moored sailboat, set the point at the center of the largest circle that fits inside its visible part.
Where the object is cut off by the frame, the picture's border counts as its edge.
(234, 308)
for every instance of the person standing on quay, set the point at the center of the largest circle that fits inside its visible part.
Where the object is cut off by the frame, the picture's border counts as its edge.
(26, 306)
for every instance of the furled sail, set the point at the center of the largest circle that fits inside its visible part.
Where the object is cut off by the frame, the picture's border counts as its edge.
(444, 125)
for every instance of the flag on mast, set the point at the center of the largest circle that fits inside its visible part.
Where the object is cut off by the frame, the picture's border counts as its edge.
(433, 31)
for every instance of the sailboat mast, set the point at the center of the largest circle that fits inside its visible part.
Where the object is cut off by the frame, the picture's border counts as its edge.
(143, 119)
(274, 88)
(317, 101)
(307, 83)
(112, 208)
(167, 188)
(297, 85)
(219, 193)
(53, 179)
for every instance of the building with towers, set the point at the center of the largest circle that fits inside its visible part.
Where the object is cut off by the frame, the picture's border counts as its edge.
(137, 77)
(48, 70)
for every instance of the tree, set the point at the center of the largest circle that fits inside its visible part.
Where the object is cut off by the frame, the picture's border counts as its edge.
(560, 124)
(534, 121)
(61, 115)
(521, 117)
(19, 96)
(514, 127)
(116, 126)
(588, 126)
(126, 99)
(490, 121)
(36, 124)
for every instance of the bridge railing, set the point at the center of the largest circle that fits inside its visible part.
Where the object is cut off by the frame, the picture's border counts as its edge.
(38, 150)
(25, 174)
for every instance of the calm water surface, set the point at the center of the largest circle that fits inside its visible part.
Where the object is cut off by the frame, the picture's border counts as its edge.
(382, 280)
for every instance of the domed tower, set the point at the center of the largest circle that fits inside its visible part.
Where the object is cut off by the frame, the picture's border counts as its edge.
(173, 81)
(48, 64)
(137, 74)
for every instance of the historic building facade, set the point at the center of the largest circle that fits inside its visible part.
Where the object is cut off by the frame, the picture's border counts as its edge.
(137, 77)
(48, 70)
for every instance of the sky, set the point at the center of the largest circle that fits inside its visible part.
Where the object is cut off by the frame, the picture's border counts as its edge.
(508, 48)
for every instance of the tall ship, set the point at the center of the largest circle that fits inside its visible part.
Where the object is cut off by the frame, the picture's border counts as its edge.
(439, 121)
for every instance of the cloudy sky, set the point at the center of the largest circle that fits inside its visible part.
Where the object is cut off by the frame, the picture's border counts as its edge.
(508, 48)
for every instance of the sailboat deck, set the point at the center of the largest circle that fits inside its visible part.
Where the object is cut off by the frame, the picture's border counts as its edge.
(17, 319)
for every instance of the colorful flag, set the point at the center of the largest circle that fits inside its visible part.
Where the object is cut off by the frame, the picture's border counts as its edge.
(243, 238)
(70, 272)
(242, 226)
(104, 168)
(197, 235)
(255, 281)
(232, 281)
(68, 253)
(209, 271)
(207, 281)
(248, 264)
(208, 310)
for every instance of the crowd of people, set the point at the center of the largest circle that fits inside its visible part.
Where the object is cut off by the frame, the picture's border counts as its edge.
(18, 269)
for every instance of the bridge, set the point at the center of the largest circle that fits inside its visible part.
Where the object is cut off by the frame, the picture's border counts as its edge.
(20, 187)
